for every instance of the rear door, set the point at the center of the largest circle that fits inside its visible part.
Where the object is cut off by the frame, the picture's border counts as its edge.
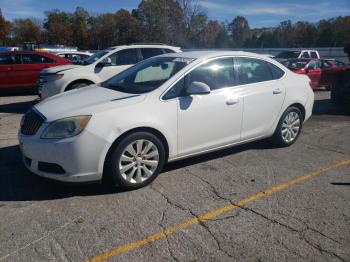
(263, 94)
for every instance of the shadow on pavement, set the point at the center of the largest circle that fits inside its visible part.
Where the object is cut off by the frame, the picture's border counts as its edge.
(17, 107)
(18, 184)
(340, 184)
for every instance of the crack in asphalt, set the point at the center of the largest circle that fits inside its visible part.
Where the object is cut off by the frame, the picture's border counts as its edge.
(328, 149)
(300, 233)
(39, 239)
(200, 222)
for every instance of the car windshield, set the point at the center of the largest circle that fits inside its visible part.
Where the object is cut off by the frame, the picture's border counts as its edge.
(147, 76)
(288, 54)
(294, 63)
(95, 57)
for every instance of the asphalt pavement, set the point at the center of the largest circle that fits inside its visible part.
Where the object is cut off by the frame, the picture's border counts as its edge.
(253, 202)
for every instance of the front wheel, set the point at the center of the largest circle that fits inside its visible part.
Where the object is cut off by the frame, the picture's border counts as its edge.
(77, 86)
(135, 161)
(289, 127)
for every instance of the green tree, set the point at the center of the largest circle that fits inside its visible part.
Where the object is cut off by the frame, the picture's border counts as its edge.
(239, 30)
(5, 27)
(58, 27)
(26, 30)
(79, 25)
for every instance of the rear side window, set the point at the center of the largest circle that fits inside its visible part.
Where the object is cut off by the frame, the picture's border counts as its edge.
(35, 59)
(251, 70)
(150, 52)
(314, 55)
(277, 72)
(216, 74)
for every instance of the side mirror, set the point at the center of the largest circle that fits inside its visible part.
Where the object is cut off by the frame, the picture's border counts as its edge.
(105, 62)
(198, 88)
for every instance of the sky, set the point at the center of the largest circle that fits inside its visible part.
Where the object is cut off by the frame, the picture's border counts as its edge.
(260, 13)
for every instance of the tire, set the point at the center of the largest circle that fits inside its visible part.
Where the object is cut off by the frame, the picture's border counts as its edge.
(76, 86)
(140, 167)
(286, 132)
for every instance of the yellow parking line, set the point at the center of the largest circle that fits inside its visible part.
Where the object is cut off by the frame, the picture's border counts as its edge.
(215, 213)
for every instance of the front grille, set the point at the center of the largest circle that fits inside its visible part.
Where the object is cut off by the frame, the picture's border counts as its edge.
(31, 123)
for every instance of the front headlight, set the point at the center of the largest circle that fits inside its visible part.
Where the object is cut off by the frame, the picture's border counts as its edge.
(66, 127)
(53, 77)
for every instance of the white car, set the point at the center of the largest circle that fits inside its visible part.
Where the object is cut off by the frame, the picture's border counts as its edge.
(74, 56)
(163, 109)
(97, 68)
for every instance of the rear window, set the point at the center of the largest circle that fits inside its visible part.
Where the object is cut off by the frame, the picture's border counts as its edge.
(288, 54)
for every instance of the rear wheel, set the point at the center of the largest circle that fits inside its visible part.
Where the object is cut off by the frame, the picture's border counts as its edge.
(289, 127)
(135, 161)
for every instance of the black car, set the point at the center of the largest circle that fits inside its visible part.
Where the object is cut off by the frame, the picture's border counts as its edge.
(340, 92)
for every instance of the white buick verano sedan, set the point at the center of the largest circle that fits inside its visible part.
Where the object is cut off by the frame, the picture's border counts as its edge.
(163, 109)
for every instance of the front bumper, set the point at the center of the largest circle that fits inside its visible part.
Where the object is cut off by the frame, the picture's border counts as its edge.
(50, 88)
(81, 157)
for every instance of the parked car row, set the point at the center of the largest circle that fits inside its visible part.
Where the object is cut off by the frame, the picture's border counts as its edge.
(322, 73)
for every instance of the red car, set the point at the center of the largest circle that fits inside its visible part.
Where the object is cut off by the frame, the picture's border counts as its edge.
(320, 72)
(21, 69)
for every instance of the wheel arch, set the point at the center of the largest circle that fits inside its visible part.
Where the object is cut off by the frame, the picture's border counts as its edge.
(151, 130)
(300, 107)
(82, 80)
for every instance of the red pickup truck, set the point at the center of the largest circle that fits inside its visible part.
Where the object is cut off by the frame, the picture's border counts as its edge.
(21, 69)
(322, 73)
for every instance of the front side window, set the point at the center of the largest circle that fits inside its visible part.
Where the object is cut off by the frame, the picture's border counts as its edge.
(251, 70)
(216, 74)
(124, 57)
(35, 59)
(146, 76)
(305, 55)
(314, 65)
(7, 59)
(150, 52)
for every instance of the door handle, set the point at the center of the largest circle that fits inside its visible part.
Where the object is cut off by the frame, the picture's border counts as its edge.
(232, 101)
(277, 91)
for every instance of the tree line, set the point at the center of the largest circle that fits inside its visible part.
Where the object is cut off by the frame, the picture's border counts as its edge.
(176, 22)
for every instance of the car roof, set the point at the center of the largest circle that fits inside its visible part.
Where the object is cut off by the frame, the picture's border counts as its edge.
(144, 46)
(214, 53)
(74, 52)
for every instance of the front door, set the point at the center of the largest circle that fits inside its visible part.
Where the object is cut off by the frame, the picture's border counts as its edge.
(211, 120)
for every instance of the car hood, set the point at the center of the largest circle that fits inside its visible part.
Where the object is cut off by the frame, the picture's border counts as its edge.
(85, 101)
(58, 69)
